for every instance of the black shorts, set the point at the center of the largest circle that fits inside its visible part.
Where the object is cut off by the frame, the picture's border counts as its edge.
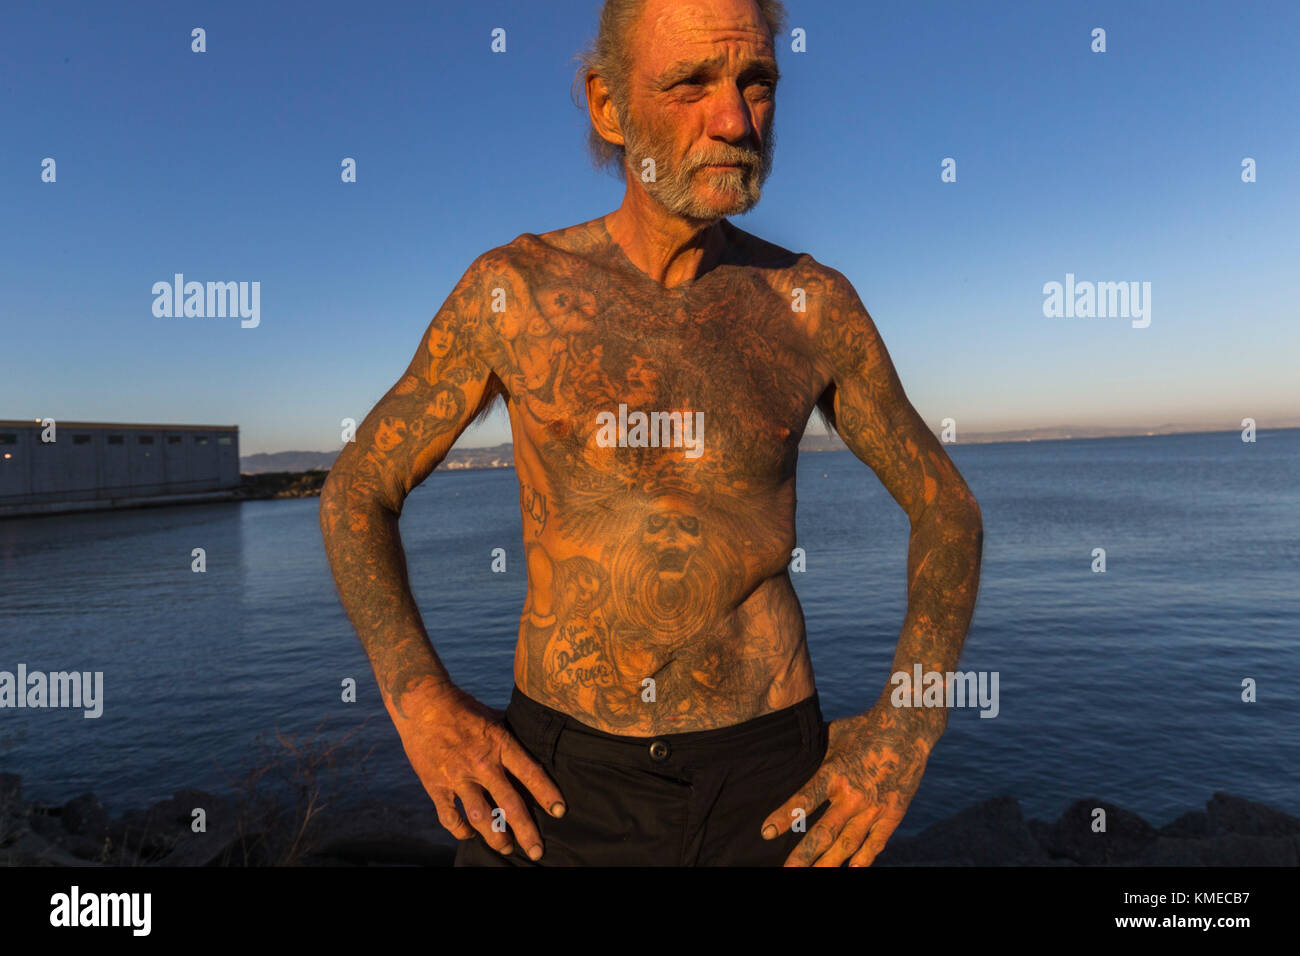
(688, 799)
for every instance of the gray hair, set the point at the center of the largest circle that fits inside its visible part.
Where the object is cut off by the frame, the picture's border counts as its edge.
(610, 59)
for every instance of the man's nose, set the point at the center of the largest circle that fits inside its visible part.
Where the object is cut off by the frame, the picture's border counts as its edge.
(730, 117)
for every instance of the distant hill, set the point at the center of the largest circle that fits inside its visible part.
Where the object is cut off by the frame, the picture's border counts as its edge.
(498, 456)
(458, 459)
(286, 461)
(1060, 432)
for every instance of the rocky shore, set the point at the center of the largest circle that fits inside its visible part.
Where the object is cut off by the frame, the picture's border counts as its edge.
(1230, 831)
(281, 484)
(307, 484)
(81, 833)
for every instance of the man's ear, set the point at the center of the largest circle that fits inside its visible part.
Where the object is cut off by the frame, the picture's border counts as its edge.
(600, 106)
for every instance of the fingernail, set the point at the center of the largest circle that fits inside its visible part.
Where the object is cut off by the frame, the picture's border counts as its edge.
(769, 831)
(534, 852)
(557, 809)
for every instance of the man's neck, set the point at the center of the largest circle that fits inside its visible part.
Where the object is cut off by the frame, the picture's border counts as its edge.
(668, 248)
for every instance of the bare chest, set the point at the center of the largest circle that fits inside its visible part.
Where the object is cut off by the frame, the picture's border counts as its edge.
(710, 383)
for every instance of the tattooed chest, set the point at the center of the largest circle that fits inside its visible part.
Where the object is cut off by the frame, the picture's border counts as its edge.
(718, 390)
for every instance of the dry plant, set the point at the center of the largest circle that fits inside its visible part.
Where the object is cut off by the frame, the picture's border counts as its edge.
(282, 798)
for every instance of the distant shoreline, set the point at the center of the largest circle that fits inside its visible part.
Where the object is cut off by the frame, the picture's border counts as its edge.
(306, 463)
(271, 482)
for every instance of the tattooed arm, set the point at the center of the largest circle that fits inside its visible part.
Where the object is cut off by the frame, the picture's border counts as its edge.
(874, 761)
(457, 746)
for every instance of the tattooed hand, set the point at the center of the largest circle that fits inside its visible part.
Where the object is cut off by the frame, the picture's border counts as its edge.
(461, 749)
(872, 768)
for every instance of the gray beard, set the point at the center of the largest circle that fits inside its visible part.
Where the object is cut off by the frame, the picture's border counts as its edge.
(673, 188)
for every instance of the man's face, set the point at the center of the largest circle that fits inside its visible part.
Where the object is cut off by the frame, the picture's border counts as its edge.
(699, 103)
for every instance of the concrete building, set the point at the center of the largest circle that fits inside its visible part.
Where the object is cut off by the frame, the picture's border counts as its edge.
(94, 465)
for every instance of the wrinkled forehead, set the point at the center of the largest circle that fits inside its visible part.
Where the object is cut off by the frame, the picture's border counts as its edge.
(675, 32)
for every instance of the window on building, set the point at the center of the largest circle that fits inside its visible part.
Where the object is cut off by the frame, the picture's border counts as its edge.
(9, 438)
(175, 439)
(81, 439)
(201, 440)
(146, 439)
(117, 439)
(224, 440)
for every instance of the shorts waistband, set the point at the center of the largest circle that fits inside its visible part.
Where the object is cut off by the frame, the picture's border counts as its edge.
(797, 726)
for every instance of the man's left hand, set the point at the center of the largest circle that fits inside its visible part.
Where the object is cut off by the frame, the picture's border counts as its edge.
(872, 768)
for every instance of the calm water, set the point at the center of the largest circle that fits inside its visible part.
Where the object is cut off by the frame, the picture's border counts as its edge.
(1124, 685)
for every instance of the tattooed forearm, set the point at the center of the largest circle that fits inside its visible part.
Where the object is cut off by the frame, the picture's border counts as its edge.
(370, 572)
(869, 409)
(943, 580)
(400, 442)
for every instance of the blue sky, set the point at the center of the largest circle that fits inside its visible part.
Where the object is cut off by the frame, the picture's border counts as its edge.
(1120, 166)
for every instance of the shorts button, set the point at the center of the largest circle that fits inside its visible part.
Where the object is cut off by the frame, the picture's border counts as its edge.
(658, 750)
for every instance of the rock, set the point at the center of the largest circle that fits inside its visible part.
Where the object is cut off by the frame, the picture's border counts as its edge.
(32, 849)
(13, 814)
(81, 832)
(1230, 831)
(1193, 824)
(1127, 835)
(1227, 850)
(84, 816)
(218, 845)
(1228, 814)
(382, 849)
(47, 824)
(374, 833)
(991, 833)
(11, 789)
(151, 835)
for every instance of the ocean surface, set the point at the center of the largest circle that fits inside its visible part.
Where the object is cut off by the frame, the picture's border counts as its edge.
(1124, 685)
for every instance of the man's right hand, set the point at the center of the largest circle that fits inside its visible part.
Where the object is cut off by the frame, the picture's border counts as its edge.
(461, 749)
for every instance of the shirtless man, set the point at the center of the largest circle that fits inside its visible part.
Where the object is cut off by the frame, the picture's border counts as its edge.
(665, 710)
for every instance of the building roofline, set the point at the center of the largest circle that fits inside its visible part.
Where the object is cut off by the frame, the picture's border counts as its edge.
(30, 423)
